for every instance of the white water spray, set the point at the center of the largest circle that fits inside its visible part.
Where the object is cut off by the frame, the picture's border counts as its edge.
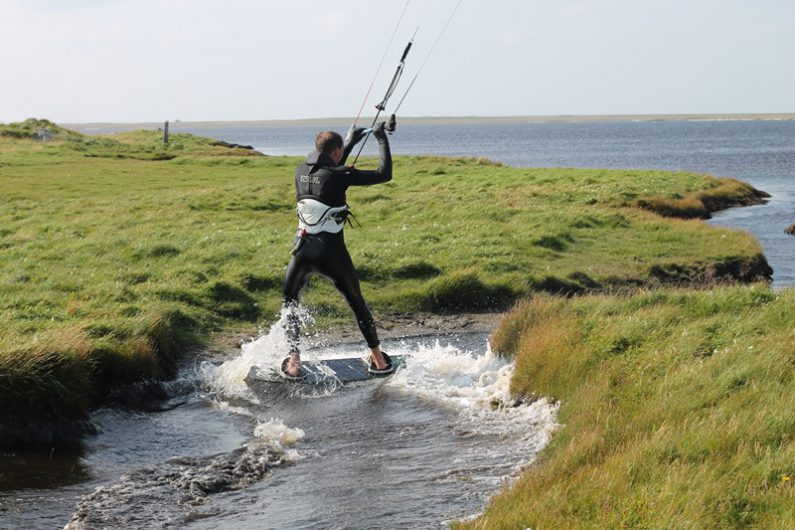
(476, 386)
(267, 352)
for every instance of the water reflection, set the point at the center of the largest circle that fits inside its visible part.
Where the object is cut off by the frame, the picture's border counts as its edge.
(32, 470)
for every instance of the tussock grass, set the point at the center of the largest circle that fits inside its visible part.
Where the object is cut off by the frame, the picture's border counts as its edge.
(461, 290)
(147, 249)
(56, 364)
(677, 410)
(699, 204)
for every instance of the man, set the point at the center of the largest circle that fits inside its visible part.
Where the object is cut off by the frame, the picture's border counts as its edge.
(321, 182)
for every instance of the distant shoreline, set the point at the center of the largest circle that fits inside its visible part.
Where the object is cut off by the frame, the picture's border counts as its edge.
(444, 120)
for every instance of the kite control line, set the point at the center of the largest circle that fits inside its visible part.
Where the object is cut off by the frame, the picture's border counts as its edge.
(396, 78)
(389, 91)
(377, 70)
(438, 37)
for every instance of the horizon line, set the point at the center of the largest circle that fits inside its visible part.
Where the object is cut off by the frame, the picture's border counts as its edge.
(750, 116)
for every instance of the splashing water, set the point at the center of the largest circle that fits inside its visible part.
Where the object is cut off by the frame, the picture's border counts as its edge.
(455, 377)
(437, 439)
(276, 437)
(473, 382)
(267, 351)
(477, 388)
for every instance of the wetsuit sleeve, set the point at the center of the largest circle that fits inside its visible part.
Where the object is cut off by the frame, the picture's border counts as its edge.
(346, 150)
(356, 177)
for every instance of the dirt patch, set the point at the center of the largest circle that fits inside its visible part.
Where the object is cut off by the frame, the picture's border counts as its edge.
(411, 325)
(389, 327)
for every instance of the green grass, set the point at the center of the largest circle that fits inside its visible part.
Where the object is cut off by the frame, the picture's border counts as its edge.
(677, 410)
(117, 252)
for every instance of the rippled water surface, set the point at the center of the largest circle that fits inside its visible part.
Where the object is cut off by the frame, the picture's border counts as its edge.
(424, 446)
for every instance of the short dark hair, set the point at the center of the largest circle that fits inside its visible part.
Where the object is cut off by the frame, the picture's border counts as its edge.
(327, 141)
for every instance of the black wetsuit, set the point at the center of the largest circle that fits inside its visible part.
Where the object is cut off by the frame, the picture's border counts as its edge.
(325, 253)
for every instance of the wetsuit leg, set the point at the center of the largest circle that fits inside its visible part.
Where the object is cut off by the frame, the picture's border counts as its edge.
(295, 280)
(338, 267)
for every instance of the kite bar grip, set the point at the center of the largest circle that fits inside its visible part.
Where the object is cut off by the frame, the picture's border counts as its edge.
(406, 51)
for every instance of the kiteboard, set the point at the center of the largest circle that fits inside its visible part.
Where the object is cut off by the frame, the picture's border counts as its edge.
(323, 372)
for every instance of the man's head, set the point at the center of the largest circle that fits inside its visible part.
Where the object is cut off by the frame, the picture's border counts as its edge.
(330, 143)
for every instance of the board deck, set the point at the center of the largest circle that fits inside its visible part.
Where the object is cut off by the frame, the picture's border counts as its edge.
(324, 372)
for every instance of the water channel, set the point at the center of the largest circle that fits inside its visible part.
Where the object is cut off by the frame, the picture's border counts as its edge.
(415, 450)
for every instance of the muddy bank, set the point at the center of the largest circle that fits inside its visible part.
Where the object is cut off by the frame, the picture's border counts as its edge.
(737, 270)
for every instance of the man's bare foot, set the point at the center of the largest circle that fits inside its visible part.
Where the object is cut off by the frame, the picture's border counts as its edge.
(294, 366)
(378, 359)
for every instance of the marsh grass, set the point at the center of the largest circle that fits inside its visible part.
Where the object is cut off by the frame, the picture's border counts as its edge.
(677, 410)
(699, 204)
(141, 250)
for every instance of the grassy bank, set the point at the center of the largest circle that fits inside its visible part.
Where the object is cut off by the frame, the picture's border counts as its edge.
(677, 410)
(118, 252)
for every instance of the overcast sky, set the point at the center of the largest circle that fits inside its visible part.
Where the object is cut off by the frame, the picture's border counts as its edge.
(151, 60)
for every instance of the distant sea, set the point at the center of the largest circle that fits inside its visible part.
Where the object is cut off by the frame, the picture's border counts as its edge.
(760, 152)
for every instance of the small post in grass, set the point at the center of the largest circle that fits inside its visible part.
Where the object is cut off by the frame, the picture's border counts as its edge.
(165, 133)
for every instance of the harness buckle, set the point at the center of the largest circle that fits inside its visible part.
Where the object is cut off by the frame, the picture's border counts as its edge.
(300, 237)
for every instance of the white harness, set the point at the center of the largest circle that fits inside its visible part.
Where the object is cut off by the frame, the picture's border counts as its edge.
(316, 217)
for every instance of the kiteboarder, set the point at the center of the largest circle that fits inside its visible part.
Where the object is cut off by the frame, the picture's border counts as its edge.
(321, 182)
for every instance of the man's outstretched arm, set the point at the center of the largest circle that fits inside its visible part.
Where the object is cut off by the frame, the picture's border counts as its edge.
(384, 172)
(354, 136)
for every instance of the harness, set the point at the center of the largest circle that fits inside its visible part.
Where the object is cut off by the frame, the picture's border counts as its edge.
(315, 217)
